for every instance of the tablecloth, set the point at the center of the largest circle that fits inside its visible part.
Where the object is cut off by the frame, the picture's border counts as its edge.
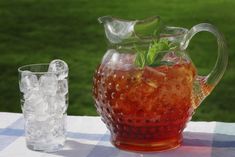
(88, 137)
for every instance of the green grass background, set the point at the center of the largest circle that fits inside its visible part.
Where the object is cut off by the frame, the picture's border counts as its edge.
(34, 31)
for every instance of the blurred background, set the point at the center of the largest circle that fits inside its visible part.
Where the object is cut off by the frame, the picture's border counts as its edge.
(36, 31)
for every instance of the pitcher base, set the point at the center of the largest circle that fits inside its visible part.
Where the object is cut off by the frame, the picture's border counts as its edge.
(148, 146)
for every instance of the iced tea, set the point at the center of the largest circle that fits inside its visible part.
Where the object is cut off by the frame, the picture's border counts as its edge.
(145, 109)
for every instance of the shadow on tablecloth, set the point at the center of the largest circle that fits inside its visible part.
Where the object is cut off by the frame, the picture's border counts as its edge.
(194, 145)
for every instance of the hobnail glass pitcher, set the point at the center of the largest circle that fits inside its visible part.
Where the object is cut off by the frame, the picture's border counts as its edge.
(146, 88)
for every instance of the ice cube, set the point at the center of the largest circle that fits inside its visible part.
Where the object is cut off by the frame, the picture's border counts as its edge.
(36, 105)
(52, 106)
(56, 127)
(32, 95)
(48, 84)
(62, 103)
(36, 131)
(62, 87)
(33, 130)
(41, 113)
(28, 81)
(57, 104)
(59, 67)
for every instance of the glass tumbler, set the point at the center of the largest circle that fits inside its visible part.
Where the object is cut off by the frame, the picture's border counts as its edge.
(44, 103)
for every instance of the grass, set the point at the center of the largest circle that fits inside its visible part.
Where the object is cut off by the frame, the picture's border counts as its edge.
(33, 31)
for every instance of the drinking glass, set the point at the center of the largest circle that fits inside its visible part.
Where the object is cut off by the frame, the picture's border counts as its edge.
(44, 102)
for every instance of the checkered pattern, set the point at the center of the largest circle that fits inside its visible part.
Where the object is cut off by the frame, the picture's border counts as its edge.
(88, 137)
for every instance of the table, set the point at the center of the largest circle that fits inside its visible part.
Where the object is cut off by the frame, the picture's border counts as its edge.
(88, 137)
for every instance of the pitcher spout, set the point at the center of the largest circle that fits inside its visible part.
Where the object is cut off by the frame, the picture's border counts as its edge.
(122, 31)
(104, 19)
(117, 30)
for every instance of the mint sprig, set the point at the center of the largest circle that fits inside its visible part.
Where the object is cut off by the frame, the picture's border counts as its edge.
(154, 53)
(140, 59)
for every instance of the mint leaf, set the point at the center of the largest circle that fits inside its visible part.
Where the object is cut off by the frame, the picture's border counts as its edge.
(155, 48)
(140, 59)
(153, 56)
(163, 45)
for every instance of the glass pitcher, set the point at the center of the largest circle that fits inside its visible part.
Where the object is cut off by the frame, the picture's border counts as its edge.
(146, 88)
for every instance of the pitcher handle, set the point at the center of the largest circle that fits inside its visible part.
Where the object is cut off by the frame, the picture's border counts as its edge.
(207, 83)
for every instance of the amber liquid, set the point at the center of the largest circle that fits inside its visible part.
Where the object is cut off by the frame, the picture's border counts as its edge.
(145, 110)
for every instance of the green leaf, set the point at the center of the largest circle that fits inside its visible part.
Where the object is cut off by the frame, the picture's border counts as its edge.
(151, 55)
(157, 59)
(156, 50)
(140, 59)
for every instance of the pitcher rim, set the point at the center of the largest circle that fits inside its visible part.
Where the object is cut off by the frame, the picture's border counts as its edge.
(181, 30)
